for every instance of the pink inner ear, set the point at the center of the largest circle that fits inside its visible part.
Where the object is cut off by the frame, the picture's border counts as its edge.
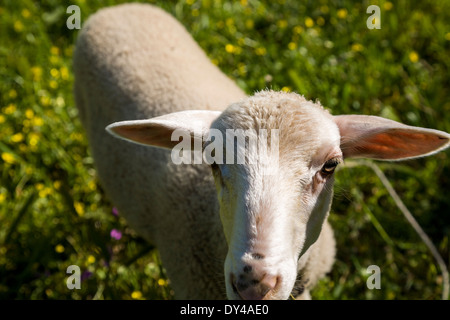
(394, 144)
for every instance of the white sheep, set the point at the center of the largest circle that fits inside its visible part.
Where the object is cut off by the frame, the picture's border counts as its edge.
(246, 231)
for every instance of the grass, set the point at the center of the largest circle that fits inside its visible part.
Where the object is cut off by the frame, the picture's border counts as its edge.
(53, 212)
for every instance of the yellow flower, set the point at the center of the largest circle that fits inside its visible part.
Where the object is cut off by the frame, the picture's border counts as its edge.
(2, 118)
(2, 197)
(53, 84)
(57, 184)
(249, 23)
(18, 26)
(12, 94)
(29, 113)
(59, 248)
(26, 13)
(260, 51)
(320, 21)
(282, 24)
(447, 36)
(64, 73)
(190, 2)
(90, 259)
(10, 109)
(388, 6)
(244, 3)
(342, 13)
(195, 12)
(37, 121)
(54, 50)
(357, 47)
(309, 22)
(286, 89)
(54, 73)
(292, 46)
(136, 295)
(413, 56)
(18, 137)
(45, 100)
(297, 29)
(37, 73)
(33, 139)
(79, 208)
(8, 157)
(162, 282)
(229, 48)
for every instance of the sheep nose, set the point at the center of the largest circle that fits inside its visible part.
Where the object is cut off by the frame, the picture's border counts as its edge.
(249, 288)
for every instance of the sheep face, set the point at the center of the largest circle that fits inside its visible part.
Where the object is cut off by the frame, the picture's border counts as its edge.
(273, 206)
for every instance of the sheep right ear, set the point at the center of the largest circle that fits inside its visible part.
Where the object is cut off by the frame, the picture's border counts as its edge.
(158, 131)
(382, 139)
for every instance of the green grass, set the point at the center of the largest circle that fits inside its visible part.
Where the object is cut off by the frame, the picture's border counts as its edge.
(53, 212)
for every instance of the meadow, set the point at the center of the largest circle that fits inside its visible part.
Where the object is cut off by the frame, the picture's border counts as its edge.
(53, 212)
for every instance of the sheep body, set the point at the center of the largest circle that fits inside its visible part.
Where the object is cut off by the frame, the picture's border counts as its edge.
(135, 61)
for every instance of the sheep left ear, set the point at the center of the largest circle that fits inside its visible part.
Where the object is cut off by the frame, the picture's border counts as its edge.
(382, 139)
(158, 131)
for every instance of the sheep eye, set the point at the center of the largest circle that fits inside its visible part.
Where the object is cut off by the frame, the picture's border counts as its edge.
(330, 166)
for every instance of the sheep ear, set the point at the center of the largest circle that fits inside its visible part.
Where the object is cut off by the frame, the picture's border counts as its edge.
(383, 139)
(158, 131)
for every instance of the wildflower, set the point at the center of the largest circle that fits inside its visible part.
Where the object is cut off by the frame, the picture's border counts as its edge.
(249, 23)
(115, 211)
(260, 51)
(85, 275)
(59, 248)
(286, 89)
(413, 56)
(64, 73)
(292, 46)
(229, 48)
(115, 234)
(2, 118)
(282, 24)
(320, 21)
(57, 184)
(90, 259)
(53, 84)
(45, 100)
(447, 36)
(388, 6)
(18, 26)
(33, 139)
(12, 94)
(37, 121)
(26, 13)
(29, 114)
(54, 73)
(357, 47)
(162, 282)
(79, 208)
(309, 23)
(342, 13)
(54, 50)
(136, 295)
(8, 157)
(18, 137)
(37, 73)
(10, 109)
(298, 29)
(2, 197)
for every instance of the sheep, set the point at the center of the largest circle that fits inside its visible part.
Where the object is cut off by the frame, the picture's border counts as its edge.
(223, 230)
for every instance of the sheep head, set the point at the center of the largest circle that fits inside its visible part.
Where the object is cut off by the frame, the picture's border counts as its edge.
(275, 199)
